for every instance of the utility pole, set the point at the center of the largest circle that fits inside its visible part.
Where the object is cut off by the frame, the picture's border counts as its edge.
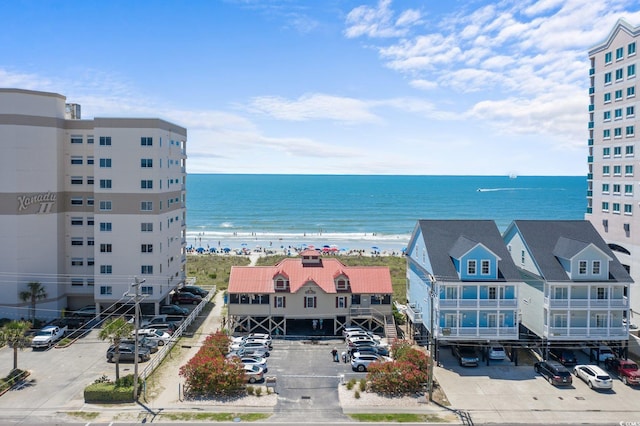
(136, 326)
(432, 295)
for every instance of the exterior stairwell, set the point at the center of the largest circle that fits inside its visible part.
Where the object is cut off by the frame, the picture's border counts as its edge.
(390, 331)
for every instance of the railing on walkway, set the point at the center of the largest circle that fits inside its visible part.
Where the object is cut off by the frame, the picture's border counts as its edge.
(162, 353)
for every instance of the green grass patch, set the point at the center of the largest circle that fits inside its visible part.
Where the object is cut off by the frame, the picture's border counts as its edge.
(85, 415)
(213, 270)
(215, 417)
(398, 418)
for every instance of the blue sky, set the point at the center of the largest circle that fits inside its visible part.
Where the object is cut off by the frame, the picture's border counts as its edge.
(326, 86)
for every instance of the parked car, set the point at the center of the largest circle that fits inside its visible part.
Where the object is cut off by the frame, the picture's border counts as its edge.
(47, 336)
(127, 353)
(183, 297)
(88, 311)
(242, 341)
(604, 354)
(360, 361)
(258, 351)
(376, 350)
(174, 310)
(467, 355)
(555, 373)
(362, 333)
(497, 352)
(352, 340)
(161, 319)
(565, 357)
(248, 344)
(162, 337)
(143, 341)
(193, 289)
(255, 360)
(593, 376)
(348, 330)
(253, 373)
(625, 369)
(167, 327)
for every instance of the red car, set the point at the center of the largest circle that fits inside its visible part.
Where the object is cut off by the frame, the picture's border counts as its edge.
(186, 298)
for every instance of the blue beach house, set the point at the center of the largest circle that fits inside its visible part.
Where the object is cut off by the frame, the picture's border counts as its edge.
(462, 285)
(575, 291)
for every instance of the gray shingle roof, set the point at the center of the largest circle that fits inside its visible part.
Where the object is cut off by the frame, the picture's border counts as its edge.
(442, 237)
(543, 236)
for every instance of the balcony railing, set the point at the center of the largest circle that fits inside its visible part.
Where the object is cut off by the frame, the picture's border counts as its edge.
(479, 332)
(415, 316)
(619, 303)
(476, 303)
(599, 332)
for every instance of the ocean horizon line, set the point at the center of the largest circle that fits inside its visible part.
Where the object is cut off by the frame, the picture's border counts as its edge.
(510, 175)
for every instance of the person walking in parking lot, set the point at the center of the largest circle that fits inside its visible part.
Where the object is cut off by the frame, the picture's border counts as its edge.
(334, 354)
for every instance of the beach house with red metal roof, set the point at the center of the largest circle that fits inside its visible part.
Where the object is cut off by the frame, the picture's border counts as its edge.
(309, 295)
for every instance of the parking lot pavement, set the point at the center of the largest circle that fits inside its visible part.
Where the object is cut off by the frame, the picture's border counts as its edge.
(505, 393)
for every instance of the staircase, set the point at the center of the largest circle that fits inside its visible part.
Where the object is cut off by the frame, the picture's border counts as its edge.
(390, 331)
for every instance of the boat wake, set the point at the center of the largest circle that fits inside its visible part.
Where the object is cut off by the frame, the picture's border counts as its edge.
(500, 189)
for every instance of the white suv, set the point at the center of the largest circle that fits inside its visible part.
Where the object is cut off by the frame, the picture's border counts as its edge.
(360, 362)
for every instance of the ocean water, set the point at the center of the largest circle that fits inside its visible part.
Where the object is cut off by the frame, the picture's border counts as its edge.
(362, 211)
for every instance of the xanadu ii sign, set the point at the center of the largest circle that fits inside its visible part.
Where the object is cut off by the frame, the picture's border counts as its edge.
(45, 199)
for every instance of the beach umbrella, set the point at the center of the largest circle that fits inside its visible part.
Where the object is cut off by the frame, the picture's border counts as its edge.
(376, 248)
(326, 246)
(244, 244)
(200, 249)
(226, 249)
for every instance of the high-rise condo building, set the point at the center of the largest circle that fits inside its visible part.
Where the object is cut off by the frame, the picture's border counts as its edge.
(87, 206)
(613, 180)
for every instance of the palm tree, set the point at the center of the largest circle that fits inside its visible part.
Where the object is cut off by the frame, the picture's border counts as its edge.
(34, 293)
(114, 330)
(13, 334)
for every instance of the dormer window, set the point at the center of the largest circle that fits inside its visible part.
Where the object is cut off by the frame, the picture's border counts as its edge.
(342, 284)
(281, 284)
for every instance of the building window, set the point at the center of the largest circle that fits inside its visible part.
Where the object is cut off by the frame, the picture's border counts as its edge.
(628, 209)
(77, 261)
(90, 180)
(146, 141)
(341, 284)
(310, 302)
(105, 226)
(607, 78)
(631, 91)
(617, 132)
(496, 292)
(146, 206)
(76, 160)
(146, 162)
(76, 180)
(146, 227)
(618, 114)
(105, 183)
(90, 139)
(628, 170)
(631, 71)
(617, 151)
(77, 201)
(484, 267)
(146, 269)
(619, 74)
(106, 269)
(146, 184)
(91, 241)
(90, 159)
(77, 241)
(616, 189)
(105, 205)
(106, 290)
(616, 208)
(595, 267)
(90, 221)
(608, 58)
(618, 95)
(91, 261)
(628, 189)
(146, 289)
(629, 131)
(105, 140)
(607, 97)
(628, 151)
(471, 267)
(605, 170)
(75, 221)
(619, 53)
(606, 116)
(605, 206)
(602, 293)
(105, 162)
(280, 302)
(146, 248)
(105, 248)
(631, 111)
(75, 282)
(605, 188)
(631, 49)
(75, 139)
(341, 302)
(606, 152)
(560, 293)
(582, 267)
(606, 134)
(560, 320)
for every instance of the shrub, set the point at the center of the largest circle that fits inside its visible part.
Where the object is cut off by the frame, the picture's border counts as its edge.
(356, 395)
(107, 393)
(351, 383)
(258, 391)
(250, 390)
(396, 378)
(363, 385)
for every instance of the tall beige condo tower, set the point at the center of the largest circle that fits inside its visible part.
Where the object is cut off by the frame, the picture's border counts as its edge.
(613, 192)
(86, 206)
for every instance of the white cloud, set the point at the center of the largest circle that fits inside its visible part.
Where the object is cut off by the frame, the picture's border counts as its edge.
(378, 21)
(314, 107)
